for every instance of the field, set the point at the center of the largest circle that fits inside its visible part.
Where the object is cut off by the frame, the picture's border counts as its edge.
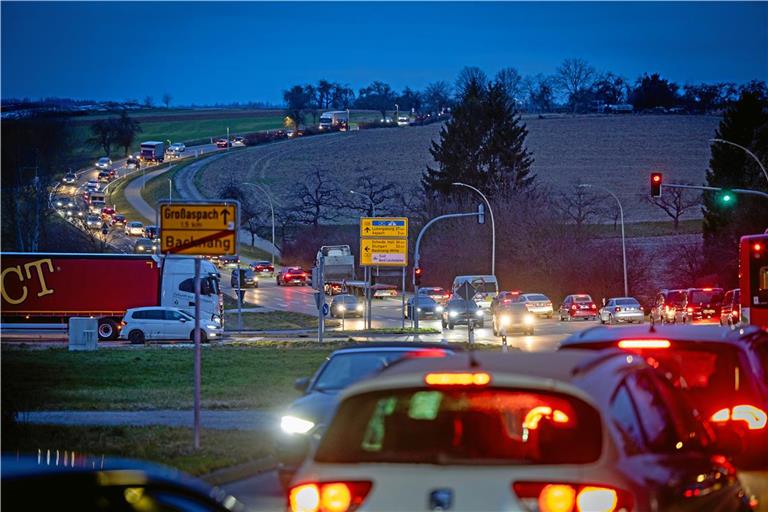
(189, 126)
(617, 152)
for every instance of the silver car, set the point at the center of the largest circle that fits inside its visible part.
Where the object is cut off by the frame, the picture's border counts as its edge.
(622, 309)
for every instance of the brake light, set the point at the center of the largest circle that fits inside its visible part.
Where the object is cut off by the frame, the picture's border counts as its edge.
(328, 496)
(573, 307)
(644, 344)
(617, 309)
(707, 289)
(593, 306)
(428, 352)
(533, 417)
(690, 310)
(507, 301)
(755, 417)
(457, 379)
(568, 497)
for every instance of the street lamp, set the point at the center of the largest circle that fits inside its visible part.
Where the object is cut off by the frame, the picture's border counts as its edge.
(493, 225)
(272, 209)
(623, 242)
(373, 206)
(762, 167)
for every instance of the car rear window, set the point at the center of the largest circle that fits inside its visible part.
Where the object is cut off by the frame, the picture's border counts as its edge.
(627, 302)
(705, 297)
(537, 297)
(582, 298)
(490, 426)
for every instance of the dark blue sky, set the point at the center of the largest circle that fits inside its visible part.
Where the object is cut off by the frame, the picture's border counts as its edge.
(206, 52)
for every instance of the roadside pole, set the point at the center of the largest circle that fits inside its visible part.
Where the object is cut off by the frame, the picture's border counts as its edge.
(198, 350)
(239, 299)
(320, 299)
(402, 312)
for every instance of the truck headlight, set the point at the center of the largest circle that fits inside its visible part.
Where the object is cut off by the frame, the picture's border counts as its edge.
(453, 314)
(528, 319)
(294, 425)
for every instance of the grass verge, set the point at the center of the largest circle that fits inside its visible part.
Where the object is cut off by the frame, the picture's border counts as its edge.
(395, 330)
(254, 253)
(154, 377)
(121, 204)
(274, 320)
(171, 446)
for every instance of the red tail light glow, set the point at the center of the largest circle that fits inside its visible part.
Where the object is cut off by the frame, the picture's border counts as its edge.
(457, 379)
(569, 497)
(593, 306)
(690, 310)
(533, 417)
(573, 307)
(755, 418)
(644, 344)
(617, 309)
(328, 496)
(427, 352)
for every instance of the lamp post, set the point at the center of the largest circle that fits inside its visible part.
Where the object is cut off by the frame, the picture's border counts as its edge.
(373, 206)
(754, 157)
(623, 242)
(170, 190)
(272, 209)
(493, 225)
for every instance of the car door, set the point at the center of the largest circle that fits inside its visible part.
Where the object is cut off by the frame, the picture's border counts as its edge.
(605, 311)
(153, 324)
(175, 326)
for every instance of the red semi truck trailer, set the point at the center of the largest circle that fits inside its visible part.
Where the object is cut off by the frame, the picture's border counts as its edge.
(39, 287)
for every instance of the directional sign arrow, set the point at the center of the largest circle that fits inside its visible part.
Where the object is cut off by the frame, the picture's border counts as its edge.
(367, 229)
(225, 214)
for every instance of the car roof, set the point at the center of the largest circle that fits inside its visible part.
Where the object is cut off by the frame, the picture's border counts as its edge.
(700, 333)
(622, 298)
(394, 345)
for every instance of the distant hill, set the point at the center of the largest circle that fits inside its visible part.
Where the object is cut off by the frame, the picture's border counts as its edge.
(611, 150)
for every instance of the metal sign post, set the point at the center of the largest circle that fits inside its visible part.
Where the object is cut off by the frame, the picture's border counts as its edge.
(239, 299)
(197, 229)
(320, 299)
(198, 355)
(403, 298)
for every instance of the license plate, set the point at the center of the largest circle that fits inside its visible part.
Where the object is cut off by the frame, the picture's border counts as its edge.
(709, 311)
(583, 307)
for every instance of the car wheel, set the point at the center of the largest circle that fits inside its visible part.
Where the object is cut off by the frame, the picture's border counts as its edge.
(611, 320)
(203, 337)
(444, 324)
(107, 329)
(450, 326)
(136, 337)
(601, 320)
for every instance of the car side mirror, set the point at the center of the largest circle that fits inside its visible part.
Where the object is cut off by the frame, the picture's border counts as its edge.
(183, 320)
(301, 384)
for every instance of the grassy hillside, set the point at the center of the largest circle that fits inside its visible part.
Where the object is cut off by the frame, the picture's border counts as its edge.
(617, 152)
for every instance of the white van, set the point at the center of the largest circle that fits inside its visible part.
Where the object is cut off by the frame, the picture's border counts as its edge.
(487, 288)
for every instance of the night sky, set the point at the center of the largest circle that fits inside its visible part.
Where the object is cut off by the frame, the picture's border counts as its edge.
(224, 52)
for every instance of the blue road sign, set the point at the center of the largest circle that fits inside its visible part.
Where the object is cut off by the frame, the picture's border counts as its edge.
(326, 309)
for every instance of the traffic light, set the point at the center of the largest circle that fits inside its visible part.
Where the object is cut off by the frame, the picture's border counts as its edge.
(656, 180)
(726, 198)
(417, 275)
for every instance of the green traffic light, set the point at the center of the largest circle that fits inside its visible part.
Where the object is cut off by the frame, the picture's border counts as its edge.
(727, 198)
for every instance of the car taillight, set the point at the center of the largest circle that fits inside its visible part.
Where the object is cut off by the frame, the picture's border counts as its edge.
(690, 310)
(328, 496)
(617, 309)
(457, 379)
(573, 307)
(755, 418)
(593, 306)
(427, 352)
(568, 497)
(644, 343)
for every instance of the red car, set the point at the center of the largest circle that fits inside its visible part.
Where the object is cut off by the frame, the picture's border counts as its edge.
(222, 143)
(107, 213)
(292, 275)
(578, 306)
(119, 218)
(263, 268)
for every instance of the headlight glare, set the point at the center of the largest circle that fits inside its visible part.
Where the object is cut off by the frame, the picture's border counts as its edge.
(528, 319)
(479, 312)
(294, 425)
(453, 314)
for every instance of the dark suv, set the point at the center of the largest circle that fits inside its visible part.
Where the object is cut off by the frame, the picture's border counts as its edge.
(667, 303)
(701, 304)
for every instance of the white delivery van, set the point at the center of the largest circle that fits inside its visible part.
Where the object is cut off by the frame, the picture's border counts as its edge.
(487, 288)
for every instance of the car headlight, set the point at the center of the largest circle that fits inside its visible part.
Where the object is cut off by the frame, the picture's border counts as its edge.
(479, 312)
(528, 319)
(418, 309)
(439, 309)
(141, 247)
(504, 320)
(294, 425)
(453, 314)
(342, 307)
(212, 326)
(359, 307)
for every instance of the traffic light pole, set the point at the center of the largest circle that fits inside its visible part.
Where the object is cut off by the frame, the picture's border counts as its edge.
(417, 256)
(717, 189)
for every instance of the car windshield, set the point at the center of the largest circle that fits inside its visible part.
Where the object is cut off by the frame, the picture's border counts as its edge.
(706, 296)
(426, 301)
(447, 426)
(462, 304)
(710, 374)
(346, 299)
(343, 370)
(627, 302)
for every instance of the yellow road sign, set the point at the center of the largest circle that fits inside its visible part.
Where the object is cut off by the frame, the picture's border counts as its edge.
(198, 216)
(379, 227)
(209, 243)
(199, 228)
(384, 252)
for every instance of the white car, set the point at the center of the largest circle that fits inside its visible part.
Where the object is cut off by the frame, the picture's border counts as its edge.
(103, 163)
(92, 185)
(93, 221)
(177, 147)
(134, 228)
(538, 304)
(160, 323)
(524, 432)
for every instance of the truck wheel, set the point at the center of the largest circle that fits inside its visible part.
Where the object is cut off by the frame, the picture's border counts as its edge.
(107, 329)
(450, 326)
(136, 337)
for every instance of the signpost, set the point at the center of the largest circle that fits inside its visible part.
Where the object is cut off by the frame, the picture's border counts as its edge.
(383, 243)
(199, 229)
(467, 292)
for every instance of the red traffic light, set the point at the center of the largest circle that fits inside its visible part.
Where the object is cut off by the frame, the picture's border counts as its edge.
(417, 272)
(656, 180)
(757, 247)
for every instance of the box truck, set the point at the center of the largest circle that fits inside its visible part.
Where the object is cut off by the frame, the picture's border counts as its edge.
(152, 151)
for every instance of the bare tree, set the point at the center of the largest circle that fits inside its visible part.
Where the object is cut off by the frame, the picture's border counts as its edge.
(470, 75)
(512, 81)
(105, 134)
(316, 199)
(380, 193)
(167, 99)
(686, 263)
(675, 202)
(574, 76)
(437, 96)
(579, 206)
(148, 102)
